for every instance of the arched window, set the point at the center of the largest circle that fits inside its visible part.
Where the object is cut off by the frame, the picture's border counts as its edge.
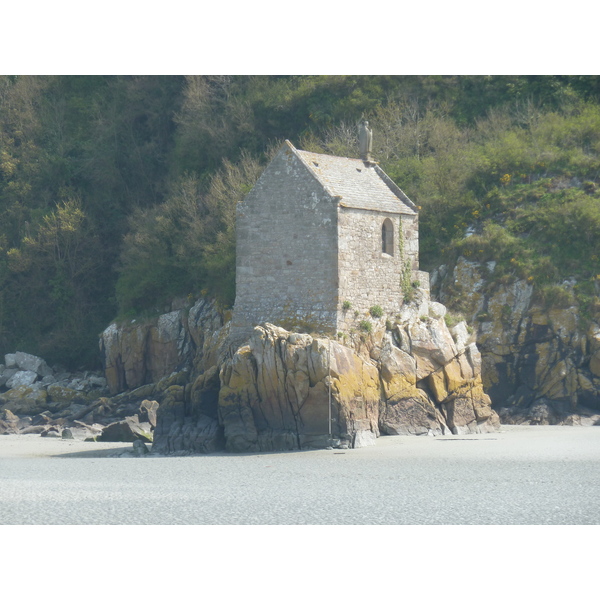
(387, 237)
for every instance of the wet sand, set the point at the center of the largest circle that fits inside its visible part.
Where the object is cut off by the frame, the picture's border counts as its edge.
(517, 476)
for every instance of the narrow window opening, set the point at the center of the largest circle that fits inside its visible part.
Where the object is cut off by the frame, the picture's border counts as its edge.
(387, 237)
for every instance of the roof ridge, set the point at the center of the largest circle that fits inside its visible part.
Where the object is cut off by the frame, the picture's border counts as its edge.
(331, 155)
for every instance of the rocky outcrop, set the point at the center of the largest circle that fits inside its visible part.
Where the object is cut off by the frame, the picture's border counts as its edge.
(276, 390)
(440, 390)
(406, 374)
(31, 386)
(139, 353)
(540, 364)
(286, 390)
(169, 363)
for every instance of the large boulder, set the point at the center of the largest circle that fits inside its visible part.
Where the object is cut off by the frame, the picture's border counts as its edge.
(124, 353)
(61, 394)
(10, 361)
(139, 353)
(186, 417)
(6, 375)
(431, 345)
(21, 378)
(468, 410)
(285, 391)
(434, 389)
(29, 362)
(127, 430)
(24, 400)
(277, 390)
(405, 409)
(414, 414)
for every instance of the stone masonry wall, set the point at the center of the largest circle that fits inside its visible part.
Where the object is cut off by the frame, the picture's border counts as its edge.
(286, 270)
(368, 276)
(410, 226)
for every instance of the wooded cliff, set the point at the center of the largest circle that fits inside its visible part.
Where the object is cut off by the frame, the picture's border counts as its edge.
(118, 193)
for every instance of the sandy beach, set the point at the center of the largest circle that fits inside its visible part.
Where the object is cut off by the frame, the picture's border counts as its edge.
(517, 476)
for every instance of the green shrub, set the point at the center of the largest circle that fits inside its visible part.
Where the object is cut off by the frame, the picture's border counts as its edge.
(366, 326)
(451, 319)
(556, 296)
(376, 311)
(346, 305)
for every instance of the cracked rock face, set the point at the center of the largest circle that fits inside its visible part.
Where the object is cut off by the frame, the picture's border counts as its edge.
(136, 354)
(540, 365)
(275, 390)
(275, 393)
(284, 390)
(443, 392)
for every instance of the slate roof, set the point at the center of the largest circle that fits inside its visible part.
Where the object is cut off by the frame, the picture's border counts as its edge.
(357, 184)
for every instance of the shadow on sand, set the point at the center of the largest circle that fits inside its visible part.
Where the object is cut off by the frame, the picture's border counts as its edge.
(119, 450)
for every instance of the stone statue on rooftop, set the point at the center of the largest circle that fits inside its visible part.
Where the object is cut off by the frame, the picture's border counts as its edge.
(365, 141)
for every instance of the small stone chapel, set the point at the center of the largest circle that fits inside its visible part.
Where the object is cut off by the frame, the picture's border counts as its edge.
(322, 239)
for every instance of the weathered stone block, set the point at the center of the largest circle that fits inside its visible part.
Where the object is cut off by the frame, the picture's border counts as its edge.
(460, 335)
(10, 361)
(29, 362)
(21, 378)
(414, 415)
(24, 400)
(437, 385)
(64, 395)
(453, 375)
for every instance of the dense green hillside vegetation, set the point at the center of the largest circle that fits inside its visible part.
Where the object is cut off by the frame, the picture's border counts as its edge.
(118, 193)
